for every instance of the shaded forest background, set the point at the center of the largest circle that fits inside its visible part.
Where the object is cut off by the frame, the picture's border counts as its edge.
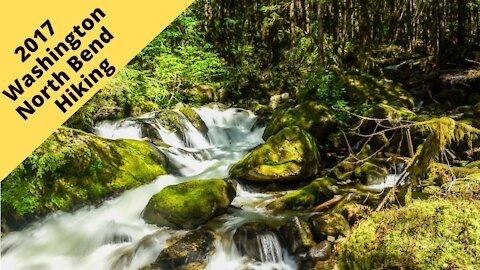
(243, 52)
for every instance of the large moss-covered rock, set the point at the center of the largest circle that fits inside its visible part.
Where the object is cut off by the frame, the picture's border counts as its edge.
(317, 119)
(291, 154)
(430, 234)
(73, 167)
(190, 252)
(318, 191)
(190, 204)
(365, 88)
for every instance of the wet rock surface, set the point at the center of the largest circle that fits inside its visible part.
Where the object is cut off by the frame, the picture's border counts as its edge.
(190, 252)
(297, 235)
(258, 241)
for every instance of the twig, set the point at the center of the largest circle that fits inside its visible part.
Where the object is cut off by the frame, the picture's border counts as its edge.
(328, 203)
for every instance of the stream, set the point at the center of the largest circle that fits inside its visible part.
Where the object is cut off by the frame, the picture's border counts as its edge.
(114, 235)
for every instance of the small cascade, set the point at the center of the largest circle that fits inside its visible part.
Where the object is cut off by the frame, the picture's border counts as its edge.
(121, 129)
(114, 235)
(271, 250)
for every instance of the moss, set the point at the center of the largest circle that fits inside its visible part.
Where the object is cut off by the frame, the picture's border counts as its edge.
(315, 118)
(366, 88)
(73, 167)
(172, 121)
(190, 204)
(392, 113)
(474, 164)
(291, 154)
(193, 117)
(468, 187)
(318, 191)
(430, 234)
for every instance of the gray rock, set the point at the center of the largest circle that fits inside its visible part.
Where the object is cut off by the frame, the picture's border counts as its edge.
(190, 252)
(297, 235)
(321, 252)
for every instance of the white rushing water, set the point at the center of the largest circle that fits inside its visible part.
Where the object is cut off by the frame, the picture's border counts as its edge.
(114, 236)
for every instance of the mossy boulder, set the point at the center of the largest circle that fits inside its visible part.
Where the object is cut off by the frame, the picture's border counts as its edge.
(353, 208)
(318, 191)
(317, 119)
(72, 168)
(193, 118)
(291, 154)
(190, 252)
(366, 88)
(190, 204)
(332, 224)
(171, 120)
(426, 234)
(362, 168)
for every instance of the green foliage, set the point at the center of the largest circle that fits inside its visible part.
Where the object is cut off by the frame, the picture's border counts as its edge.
(329, 89)
(72, 167)
(169, 70)
(25, 186)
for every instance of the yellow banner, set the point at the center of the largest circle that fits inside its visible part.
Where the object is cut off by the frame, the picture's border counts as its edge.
(55, 55)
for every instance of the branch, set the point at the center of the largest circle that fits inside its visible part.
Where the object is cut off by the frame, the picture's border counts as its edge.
(328, 203)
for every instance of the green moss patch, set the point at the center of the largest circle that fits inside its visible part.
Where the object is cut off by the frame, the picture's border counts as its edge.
(72, 168)
(188, 205)
(317, 192)
(430, 234)
(291, 154)
(317, 119)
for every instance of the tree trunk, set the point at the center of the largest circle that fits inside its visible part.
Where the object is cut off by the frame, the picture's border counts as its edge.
(461, 23)
(321, 56)
(441, 34)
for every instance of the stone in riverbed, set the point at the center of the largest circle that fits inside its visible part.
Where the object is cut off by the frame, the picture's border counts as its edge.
(190, 252)
(251, 239)
(190, 204)
(297, 234)
(320, 252)
(329, 225)
(291, 154)
(193, 118)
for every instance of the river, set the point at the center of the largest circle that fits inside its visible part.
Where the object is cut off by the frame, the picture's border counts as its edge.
(114, 235)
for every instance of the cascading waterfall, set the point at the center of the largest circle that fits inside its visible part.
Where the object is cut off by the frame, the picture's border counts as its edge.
(114, 236)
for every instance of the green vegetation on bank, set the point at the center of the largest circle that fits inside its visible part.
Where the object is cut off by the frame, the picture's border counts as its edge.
(73, 168)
